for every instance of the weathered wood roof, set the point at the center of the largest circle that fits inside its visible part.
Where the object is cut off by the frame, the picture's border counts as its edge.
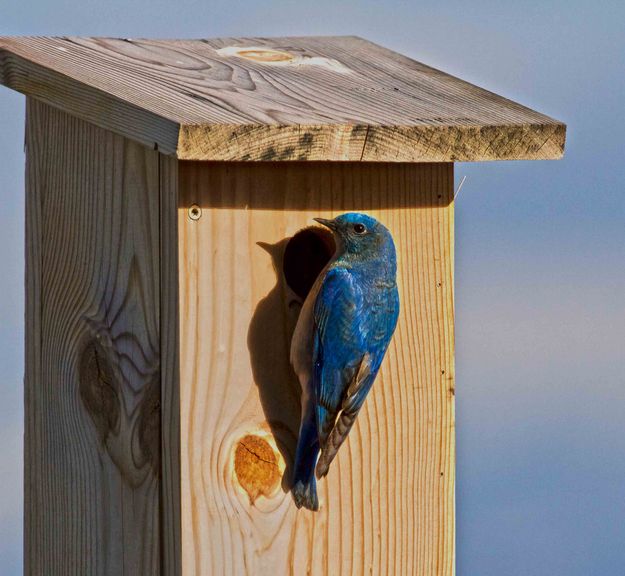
(310, 98)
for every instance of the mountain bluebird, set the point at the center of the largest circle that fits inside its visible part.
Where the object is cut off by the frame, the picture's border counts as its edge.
(341, 336)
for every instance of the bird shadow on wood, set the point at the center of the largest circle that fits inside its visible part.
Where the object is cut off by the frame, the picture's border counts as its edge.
(297, 262)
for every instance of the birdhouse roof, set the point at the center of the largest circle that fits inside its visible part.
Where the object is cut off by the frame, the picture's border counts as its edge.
(310, 98)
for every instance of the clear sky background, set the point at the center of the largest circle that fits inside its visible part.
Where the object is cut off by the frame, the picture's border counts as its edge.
(540, 260)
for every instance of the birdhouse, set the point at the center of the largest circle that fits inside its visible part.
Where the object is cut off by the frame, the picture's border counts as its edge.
(170, 191)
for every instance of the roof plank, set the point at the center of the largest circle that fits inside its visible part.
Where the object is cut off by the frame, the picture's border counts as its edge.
(308, 98)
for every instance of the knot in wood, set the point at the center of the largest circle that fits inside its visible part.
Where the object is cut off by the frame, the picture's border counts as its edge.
(265, 55)
(99, 389)
(131, 436)
(256, 467)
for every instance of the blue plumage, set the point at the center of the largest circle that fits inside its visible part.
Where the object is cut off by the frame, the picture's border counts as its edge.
(340, 339)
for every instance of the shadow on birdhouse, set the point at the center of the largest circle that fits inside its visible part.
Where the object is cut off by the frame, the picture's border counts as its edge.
(297, 262)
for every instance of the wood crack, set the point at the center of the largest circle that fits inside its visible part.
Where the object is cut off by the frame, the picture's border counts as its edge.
(364, 144)
(257, 455)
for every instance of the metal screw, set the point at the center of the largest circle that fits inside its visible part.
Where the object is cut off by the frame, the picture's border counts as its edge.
(195, 212)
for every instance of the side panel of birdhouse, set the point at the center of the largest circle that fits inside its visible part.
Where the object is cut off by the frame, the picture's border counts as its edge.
(93, 456)
(387, 504)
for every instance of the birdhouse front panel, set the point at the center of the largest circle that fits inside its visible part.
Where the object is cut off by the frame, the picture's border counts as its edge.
(247, 252)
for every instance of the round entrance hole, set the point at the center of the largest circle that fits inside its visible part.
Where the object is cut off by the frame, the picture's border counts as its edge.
(305, 256)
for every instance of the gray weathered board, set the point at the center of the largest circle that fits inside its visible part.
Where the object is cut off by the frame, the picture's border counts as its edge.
(310, 98)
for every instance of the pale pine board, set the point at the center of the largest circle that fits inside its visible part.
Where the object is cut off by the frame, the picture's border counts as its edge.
(334, 98)
(92, 444)
(388, 501)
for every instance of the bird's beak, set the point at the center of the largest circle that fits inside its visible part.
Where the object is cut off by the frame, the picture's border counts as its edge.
(331, 224)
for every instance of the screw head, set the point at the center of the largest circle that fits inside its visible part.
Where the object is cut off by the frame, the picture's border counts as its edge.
(195, 212)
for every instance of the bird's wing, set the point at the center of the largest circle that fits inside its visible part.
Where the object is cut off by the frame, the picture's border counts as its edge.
(339, 345)
(350, 407)
(351, 337)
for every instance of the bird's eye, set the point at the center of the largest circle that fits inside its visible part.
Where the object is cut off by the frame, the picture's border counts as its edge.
(359, 229)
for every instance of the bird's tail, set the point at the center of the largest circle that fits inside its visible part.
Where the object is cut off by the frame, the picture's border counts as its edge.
(304, 484)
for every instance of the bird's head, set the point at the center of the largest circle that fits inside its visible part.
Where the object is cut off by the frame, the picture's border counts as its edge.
(359, 234)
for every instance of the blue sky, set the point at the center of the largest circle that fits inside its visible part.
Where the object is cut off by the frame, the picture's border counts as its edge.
(540, 254)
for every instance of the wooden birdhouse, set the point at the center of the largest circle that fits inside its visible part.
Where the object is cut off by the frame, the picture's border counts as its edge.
(170, 191)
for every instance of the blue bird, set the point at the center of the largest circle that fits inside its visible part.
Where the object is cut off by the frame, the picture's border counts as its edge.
(340, 339)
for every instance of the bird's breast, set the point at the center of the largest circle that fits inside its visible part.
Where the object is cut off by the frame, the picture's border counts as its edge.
(302, 341)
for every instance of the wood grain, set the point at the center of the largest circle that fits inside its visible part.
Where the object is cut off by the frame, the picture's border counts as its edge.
(93, 339)
(387, 505)
(322, 98)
